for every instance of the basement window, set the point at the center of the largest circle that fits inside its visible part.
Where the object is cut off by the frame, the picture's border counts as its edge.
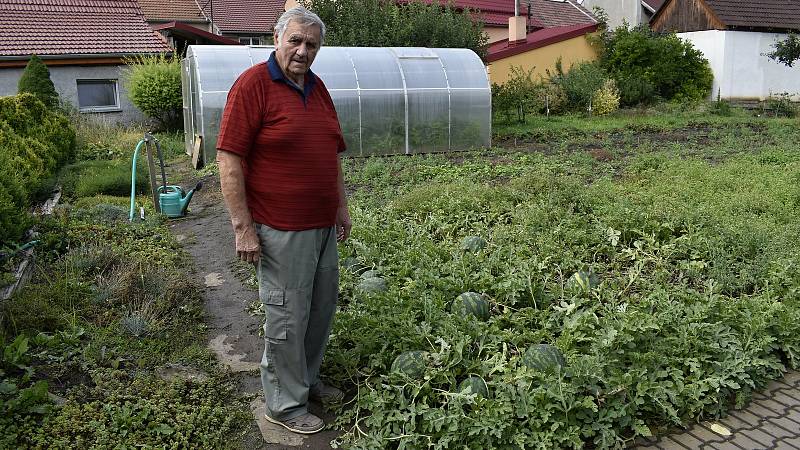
(98, 95)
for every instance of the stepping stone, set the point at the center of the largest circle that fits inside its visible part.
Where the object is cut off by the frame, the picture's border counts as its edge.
(213, 279)
(226, 356)
(274, 434)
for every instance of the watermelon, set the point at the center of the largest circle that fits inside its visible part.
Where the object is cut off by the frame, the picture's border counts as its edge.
(544, 358)
(474, 385)
(473, 244)
(370, 274)
(582, 281)
(372, 285)
(352, 264)
(412, 363)
(471, 304)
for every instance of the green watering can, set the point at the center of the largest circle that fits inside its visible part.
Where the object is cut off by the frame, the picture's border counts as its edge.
(172, 200)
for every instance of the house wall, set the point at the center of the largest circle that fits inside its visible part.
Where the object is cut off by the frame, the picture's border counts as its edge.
(64, 78)
(619, 11)
(741, 71)
(570, 51)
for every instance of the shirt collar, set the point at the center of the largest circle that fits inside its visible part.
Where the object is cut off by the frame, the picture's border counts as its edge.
(275, 72)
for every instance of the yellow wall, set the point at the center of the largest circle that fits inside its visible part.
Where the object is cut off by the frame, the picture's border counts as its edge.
(571, 51)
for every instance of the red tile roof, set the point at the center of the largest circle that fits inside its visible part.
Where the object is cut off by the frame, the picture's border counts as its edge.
(75, 27)
(244, 16)
(172, 10)
(762, 14)
(537, 39)
(544, 13)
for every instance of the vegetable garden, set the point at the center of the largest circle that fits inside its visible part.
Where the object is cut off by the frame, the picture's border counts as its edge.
(584, 282)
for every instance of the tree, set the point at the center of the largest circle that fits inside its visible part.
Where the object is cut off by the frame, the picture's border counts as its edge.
(36, 80)
(383, 23)
(786, 51)
(154, 86)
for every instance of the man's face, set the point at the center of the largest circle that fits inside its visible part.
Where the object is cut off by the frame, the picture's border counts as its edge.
(297, 49)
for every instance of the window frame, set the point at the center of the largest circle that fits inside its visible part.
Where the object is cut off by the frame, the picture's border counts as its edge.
(250, 40)
(106, 108)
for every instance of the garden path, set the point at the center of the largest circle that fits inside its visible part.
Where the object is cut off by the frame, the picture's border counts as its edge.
(233, 334)
(770, 421)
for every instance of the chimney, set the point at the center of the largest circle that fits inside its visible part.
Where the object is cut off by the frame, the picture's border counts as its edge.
(517, 29)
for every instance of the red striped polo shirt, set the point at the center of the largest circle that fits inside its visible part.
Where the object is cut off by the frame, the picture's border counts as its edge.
(289, 142)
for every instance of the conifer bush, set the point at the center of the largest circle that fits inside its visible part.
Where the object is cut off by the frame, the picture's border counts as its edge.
(36, 80)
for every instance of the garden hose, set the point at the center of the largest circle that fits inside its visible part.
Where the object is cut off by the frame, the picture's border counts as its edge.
(133, 180)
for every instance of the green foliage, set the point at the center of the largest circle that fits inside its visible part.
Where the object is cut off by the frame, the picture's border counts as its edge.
(34, 143)
(74, 324)
(580, 84)
(36, 80)
(380, 23)
(154, 86)
(517, 96)
(786, 51)
(647, 64)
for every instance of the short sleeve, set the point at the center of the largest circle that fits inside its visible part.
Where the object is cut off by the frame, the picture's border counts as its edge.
(243, 113)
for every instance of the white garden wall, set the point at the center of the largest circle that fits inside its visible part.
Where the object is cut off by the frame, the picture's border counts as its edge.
(741, 69)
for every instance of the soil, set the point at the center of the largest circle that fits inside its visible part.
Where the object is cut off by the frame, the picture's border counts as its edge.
(233, 333)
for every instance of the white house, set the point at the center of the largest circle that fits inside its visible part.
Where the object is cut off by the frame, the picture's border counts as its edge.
(735, 36)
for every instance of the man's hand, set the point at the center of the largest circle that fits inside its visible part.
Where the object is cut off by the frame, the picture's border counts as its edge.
(248, 246)
(343, 223)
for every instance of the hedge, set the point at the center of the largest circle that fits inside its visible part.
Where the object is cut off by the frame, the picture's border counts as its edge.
(34, 142)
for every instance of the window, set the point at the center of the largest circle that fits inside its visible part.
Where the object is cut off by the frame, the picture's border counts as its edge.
(98, 95)
(250, 40)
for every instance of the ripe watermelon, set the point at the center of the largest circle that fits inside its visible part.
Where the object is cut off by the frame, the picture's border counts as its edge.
(471, 303)
(372, 285)
(582, 281)
(370, 274)
(352, 264)
(474, 385)
(411, 363)
(544, 358)
(473, 244)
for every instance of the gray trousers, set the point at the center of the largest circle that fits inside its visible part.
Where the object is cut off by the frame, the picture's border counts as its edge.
(298, 283)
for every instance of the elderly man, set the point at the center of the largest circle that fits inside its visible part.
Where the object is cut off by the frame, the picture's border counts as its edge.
(282, 182)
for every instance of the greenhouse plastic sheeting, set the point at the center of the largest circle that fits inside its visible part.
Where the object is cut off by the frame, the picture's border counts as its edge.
(390, 100)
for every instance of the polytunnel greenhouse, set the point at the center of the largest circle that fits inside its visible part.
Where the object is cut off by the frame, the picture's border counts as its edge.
(390, 100)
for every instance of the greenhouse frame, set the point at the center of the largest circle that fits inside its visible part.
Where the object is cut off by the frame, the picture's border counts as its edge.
(390, 100)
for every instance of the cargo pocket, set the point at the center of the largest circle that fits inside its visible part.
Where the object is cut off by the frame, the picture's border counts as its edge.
(277, 315)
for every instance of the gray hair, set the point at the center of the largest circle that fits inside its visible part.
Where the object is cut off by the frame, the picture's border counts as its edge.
(301, 16)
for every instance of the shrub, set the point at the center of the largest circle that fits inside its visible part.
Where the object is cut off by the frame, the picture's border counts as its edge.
(639, 58)
(550, 98)
(606, 99)
(36, 80)
(154, 86)
(517, 96)
(91, 178)
(34, 143)
(580, 83)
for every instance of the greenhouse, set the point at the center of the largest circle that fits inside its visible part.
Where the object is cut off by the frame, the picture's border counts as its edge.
(390, 100)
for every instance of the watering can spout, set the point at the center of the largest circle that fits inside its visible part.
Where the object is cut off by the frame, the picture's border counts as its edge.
(188, 197)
